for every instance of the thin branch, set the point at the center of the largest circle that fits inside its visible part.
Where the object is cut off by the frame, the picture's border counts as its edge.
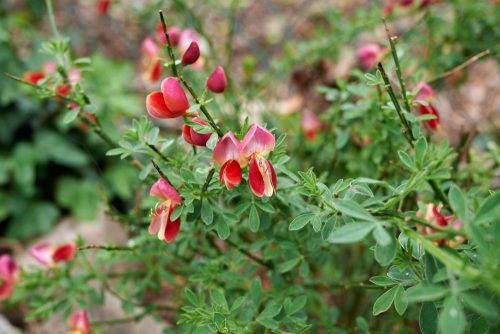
(157, 151)
(207, 180)
(158, 169)
(106, 248)
(460, 67)
(169, 44)
(52, 19)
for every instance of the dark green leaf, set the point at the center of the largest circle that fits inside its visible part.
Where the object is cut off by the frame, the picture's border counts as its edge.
(352, 232)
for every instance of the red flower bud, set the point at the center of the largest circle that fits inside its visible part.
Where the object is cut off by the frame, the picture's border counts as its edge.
(192, 137)
(175, 98)
(191, 55)
(217, 81)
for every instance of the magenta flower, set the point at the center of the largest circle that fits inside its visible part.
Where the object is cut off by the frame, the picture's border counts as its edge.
(259, 142)
(217, 81)
(227, 155)
(161, 223)
(79, 322)
(192, 137)
(9, 274)
(434, 217)
(49, 255)
(369, 55)
(191, 55)
(310, 124)
(425, 93)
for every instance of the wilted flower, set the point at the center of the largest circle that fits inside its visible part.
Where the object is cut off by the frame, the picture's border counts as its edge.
(193, 137)
(150, 60)
(79, 322)
(227, 155)
(9, 273)
(425, 94)
(434, 217)
(217, 81)
(161, 223)
(191, 55)
(48, 255)
(369, 55)
(259, 142)
(310, 124)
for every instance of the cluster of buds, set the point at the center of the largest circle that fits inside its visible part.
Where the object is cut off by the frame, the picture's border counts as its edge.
(370, 54)
(48, 255)
(189, 43)
(79, 322)
(9, 274)
(434, 217)
(49, 68)
(233, 155)
(423, 97)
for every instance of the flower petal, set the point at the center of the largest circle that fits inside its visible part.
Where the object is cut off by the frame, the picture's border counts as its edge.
(6, 289)
(43, 253)
(175, 97)
(230, 174)
(163, 190)
(431, 124)
(257, 140)
(173, 227)
(9, 271)
(424, 92)
(64, 252)
(79, 322)
(227, 148)
(255, 179)
(156, 107)
(217, 81)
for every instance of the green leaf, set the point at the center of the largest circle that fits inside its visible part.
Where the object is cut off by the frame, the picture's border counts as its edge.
(288, 265)
(406, 160)
(295, 306)
(458, 202)
(382, 281)
(352, 209)
(217, 297)
(271, 310)
(489, 209)
(426, 292)
(316, 223)
(222, 229)
(420, 151)
(300, 221)
(71, 115)
(253, 219)
(352, 232)
(383, 302)
(212, 141)
(452, 317)
(400, 300)
(207, 213)
(191, 297)
(480, 305)
(384, 255)
(268, 323)
(382, 237)
(237, 303)
(428, 318)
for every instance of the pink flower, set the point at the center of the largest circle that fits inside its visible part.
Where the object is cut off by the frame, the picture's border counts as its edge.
(49, 67)
(173, 34)
(192, 137)
(217, 81)
(48, 255)
(369, 55)
(174, 96)
(310, 124)
(9, 274)
(150, 60)
(227, 155)
(434, 217)
(161, 223)
(79, 322)
(191, 55)
(259, 142)
(424, 92)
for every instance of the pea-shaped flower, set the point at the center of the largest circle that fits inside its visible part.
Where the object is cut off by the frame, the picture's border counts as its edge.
(161, 224)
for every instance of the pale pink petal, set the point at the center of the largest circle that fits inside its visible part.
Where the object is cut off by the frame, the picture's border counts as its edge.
(257, 140)
(9, 271)
(79, 322)
(369, 54)
(43, 253)
(424, 92)
(227, 148)
(149, 48)
(163, 190)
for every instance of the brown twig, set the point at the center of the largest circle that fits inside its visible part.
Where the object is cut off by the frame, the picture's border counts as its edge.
(158, 169)
(460, 67)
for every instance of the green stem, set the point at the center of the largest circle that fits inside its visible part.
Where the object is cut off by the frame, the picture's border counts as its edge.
(169, 45)
(52, 19)
(106, 248)
(157, 151)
